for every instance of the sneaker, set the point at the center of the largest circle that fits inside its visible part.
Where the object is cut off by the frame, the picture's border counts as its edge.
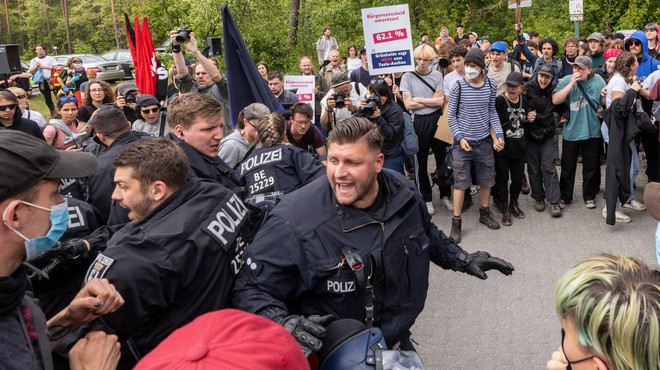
(619, 215)
(636, 205)
(447, 203)
(506, 217)
(455, 230)
(539, 205)
(556, 210)
(516, 211)
(562, 204)
(486, 218)
(591, 204)
(474, 189)
(429, 207)
(525, 185)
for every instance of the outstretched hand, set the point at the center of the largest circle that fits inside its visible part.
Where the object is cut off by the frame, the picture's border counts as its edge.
(480, 262)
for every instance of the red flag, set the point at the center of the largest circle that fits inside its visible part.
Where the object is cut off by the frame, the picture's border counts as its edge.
(145, 58)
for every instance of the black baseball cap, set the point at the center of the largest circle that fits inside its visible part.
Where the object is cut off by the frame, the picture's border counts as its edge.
(514, 79)
(547, 70)
(25, 160)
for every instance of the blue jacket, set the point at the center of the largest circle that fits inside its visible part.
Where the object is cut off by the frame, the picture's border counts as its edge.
(647, 65)
(294, 264)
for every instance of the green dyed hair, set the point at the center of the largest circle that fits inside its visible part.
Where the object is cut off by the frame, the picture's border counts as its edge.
(614, 303)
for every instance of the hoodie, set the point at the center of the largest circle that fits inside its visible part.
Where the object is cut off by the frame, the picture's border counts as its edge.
(647, 65)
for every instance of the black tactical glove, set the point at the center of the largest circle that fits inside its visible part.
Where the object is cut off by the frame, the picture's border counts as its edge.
(306, 330)
(61, 256)
(476, 264)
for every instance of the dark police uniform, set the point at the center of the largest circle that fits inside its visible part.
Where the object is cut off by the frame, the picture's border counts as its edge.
(268, 173)
(205, 167)
(177, 263)
(296, 265)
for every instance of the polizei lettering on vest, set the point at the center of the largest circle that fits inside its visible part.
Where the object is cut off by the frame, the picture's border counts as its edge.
(261, 159)
(230, 215)
(340, 286)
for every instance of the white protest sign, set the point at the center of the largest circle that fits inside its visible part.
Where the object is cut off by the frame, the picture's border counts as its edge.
(523, 4)
(303, 86)
(575, 7)
(388, 39)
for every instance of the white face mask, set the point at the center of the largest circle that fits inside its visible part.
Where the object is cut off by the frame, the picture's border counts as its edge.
(472, 72)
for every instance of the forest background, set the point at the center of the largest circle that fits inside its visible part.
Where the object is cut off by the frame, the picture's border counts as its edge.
(281, 31)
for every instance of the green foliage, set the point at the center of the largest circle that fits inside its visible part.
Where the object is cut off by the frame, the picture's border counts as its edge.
(264, 24)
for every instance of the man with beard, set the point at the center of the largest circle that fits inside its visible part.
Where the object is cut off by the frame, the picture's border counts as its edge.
(308, 264)
(178, 257)
(321, 88)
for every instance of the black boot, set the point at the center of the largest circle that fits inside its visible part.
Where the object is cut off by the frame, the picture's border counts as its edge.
(486, 218)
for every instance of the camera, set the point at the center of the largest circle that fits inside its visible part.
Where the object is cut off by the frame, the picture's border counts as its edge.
(183, 34)
(444, 62)
(373, 103)
(130, 99)
(339, 100)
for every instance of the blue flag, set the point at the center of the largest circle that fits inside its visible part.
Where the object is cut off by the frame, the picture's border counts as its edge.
(244, 83)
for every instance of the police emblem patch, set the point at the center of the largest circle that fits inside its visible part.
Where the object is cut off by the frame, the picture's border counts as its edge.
(99, 267)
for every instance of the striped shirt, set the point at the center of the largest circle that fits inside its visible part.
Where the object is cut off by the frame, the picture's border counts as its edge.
(472, 111)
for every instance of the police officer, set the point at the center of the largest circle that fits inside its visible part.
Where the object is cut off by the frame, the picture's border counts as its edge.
(275, 168)
(195, 121)
(178, 257)
(361, 233)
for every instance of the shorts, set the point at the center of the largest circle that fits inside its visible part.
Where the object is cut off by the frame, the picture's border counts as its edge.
(482, 157)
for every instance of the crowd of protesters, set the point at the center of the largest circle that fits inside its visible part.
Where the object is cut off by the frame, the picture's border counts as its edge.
(522, 114)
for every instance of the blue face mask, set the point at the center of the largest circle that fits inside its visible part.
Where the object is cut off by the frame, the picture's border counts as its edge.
(59, 220)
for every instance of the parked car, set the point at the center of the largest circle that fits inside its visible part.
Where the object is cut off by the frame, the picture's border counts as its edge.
(106, 70)
(122, 56)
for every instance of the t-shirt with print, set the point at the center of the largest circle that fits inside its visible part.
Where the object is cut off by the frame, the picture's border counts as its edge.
(584, 123)
(511, 117)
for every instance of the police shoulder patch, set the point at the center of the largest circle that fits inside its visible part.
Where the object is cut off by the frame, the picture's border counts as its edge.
(225, 221)
(99, 267)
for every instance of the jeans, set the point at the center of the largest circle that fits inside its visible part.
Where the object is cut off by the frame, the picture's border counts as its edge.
(425, 126)
(590, 168)
(395, 163)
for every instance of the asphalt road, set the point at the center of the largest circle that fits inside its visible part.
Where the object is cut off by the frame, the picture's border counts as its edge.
(510, 322)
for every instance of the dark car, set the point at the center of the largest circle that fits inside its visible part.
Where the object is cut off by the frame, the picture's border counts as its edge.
(124, 57)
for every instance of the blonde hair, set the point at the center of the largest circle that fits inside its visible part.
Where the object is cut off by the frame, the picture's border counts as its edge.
(270, 130)
(424, 51)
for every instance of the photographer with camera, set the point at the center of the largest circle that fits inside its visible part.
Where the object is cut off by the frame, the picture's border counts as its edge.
(341, 101)
(208, 79)
(379, 107)
(127, 96)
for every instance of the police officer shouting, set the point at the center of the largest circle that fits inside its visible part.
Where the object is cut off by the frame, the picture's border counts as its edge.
(361, 227)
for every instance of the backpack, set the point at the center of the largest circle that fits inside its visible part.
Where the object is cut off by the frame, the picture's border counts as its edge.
(410, 142)
(537, 65)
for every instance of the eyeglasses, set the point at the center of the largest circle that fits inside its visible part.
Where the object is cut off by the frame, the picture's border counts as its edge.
(152, 110)
(634, 43)
(96, 90)
(376, 82)
(68, 99)
(571, 363)
(7, 107)
(302, 123)
(21, 96)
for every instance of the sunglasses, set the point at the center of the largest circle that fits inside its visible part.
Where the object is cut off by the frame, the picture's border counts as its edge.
(7, 107)
(152, 110)
(634, 43)
(68, 99)
(376, 82)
